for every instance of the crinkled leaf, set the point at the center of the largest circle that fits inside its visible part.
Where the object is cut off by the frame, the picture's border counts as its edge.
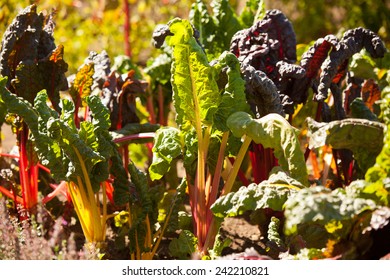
(195, 90)
(21, 35)
(364, 138)
(141, 206)
(167, 147)
(56, 138)
(253, 197)
(233, 97)
(273, 234)
(227, 21)
(27, 82)
(333, 210)
(183, 246)
(220, 243)
(379, 219)
(261, 92)
(42, 66)
(273, 131)
(102, 67)
(159, 69)
(82, 84)
(52, 72)
(353, 41)
(204, 24)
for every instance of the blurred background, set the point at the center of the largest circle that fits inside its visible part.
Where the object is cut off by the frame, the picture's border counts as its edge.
(126, 26)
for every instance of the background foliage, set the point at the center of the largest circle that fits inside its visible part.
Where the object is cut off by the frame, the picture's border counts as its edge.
(83, 26)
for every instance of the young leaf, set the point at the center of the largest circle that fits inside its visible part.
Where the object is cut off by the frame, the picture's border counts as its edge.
(183, 246)
(167, 147)
(273, 131)
(81, 86)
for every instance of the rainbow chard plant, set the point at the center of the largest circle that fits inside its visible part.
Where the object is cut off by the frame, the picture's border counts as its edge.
(82, 157)
(202, 108)
(28, 72)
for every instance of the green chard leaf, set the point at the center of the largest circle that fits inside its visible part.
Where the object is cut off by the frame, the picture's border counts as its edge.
(183, 246)
(56, 140)
(254, 10)
(233, 97)
(360, 110)
(335, 211)
(141, 207)
(204, 24)
(272, 193)
(273, 131)
(195, 91)
(364, 138)
(227, 21)
(167, 147)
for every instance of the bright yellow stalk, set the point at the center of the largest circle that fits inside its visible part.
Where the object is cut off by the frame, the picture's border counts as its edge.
(86, 206)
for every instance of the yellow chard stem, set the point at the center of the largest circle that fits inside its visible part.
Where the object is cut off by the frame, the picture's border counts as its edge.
(99, 235)
(236, 166)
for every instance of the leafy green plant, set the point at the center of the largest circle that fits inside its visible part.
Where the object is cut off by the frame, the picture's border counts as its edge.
(203, 126)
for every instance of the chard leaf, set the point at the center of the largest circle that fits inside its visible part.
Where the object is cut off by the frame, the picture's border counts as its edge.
(42, 66)
(254, 11)
(143, 203)
(253, 197)
(167, 147)
(204, 24)
(183, 246)
(21, 35)
(361, 111)
(159, 69)
(233, 97)
(27, 81)
(52, 69)
(82, 84)
(195, 92)
(336, 211)
(364, 138)
(273, 131)
(227, 21)
(273, 232)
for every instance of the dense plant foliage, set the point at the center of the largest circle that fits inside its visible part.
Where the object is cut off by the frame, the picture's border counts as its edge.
(232, 118)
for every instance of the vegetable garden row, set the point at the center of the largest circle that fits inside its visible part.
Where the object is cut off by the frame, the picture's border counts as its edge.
(232, 118)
